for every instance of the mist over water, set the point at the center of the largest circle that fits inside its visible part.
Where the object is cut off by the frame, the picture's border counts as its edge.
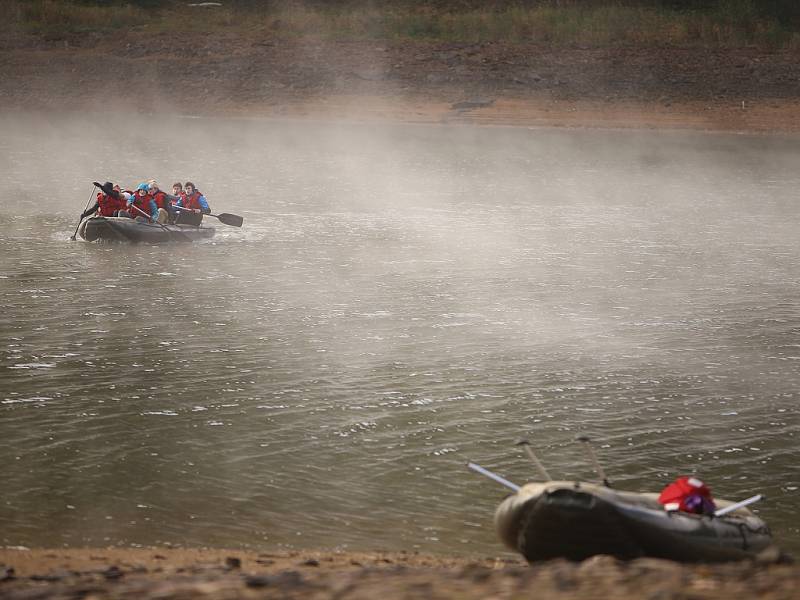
(400, 299)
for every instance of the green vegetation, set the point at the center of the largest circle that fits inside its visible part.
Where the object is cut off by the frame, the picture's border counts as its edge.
(607, 23)
(49, 16)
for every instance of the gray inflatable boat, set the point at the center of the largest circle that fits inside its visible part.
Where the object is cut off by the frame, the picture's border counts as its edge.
(123, 229)
(576, 520)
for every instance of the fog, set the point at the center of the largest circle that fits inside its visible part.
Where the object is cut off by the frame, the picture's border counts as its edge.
(400, 298)
(421, 198)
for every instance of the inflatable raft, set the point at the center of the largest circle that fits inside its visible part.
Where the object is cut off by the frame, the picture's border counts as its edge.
(576, 520)
(123, 229)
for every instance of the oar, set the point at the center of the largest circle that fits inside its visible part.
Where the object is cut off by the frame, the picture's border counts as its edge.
(226, 218)
(539, 466)
(91, 195)
(179, 235)
(493, 476)
(736, 506)
(593, 458)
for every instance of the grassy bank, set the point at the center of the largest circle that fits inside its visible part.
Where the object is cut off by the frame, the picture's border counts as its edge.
(730, 23)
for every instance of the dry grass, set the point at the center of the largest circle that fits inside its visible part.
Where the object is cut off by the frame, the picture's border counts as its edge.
(598, 24)
(43, 16)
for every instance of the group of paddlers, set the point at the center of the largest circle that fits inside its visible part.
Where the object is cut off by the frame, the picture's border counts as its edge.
(185, 205)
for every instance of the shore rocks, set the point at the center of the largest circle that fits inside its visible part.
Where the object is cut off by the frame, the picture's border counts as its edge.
(188, 574)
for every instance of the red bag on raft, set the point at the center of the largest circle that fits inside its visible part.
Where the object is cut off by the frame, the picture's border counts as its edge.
(688, 494)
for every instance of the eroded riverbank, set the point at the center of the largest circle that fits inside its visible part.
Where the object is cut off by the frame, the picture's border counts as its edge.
(731, 89)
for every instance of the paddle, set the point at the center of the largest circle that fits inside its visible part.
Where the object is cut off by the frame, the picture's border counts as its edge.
(226, 218)
(176, 234)
(539, 466)
(494, 476)
(737, 505)
(74, 235)
(593, 458)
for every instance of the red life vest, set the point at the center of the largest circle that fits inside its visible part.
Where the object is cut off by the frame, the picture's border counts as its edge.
(142, 203)
(108, 205)
(192, 202)
(160, 199)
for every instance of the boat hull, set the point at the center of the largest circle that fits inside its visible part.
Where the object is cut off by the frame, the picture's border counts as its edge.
(123, 229)
(579, 520)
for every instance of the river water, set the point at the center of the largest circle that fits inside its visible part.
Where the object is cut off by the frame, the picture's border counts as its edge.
(401, 299)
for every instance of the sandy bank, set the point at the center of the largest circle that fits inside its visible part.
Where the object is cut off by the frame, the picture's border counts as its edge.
(168, 573)
(774, 117)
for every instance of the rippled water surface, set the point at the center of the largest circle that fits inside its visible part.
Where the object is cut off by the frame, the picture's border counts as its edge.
(399, 300)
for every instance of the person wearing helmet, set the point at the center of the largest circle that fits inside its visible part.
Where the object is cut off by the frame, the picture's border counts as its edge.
(141, 205)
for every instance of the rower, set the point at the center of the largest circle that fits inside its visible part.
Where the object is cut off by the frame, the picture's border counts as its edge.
(193, 205)
(143, 201)
(109, 201)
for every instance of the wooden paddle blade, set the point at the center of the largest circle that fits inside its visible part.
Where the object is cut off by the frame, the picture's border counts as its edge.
(229, 219)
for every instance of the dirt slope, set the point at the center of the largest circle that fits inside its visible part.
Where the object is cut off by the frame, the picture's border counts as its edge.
(742, 89)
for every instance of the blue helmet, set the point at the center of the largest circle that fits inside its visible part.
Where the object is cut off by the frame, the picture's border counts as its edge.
(142, 186)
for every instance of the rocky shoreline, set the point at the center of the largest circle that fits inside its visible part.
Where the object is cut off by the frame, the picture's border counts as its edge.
(739, 89)
(171, 573)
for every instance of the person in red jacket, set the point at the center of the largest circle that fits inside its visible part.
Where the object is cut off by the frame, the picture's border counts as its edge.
(143, 201)
(109, 201)
(192, 201)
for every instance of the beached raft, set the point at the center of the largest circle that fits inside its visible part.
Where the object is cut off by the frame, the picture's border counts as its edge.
(123, 229)
(576, 520)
